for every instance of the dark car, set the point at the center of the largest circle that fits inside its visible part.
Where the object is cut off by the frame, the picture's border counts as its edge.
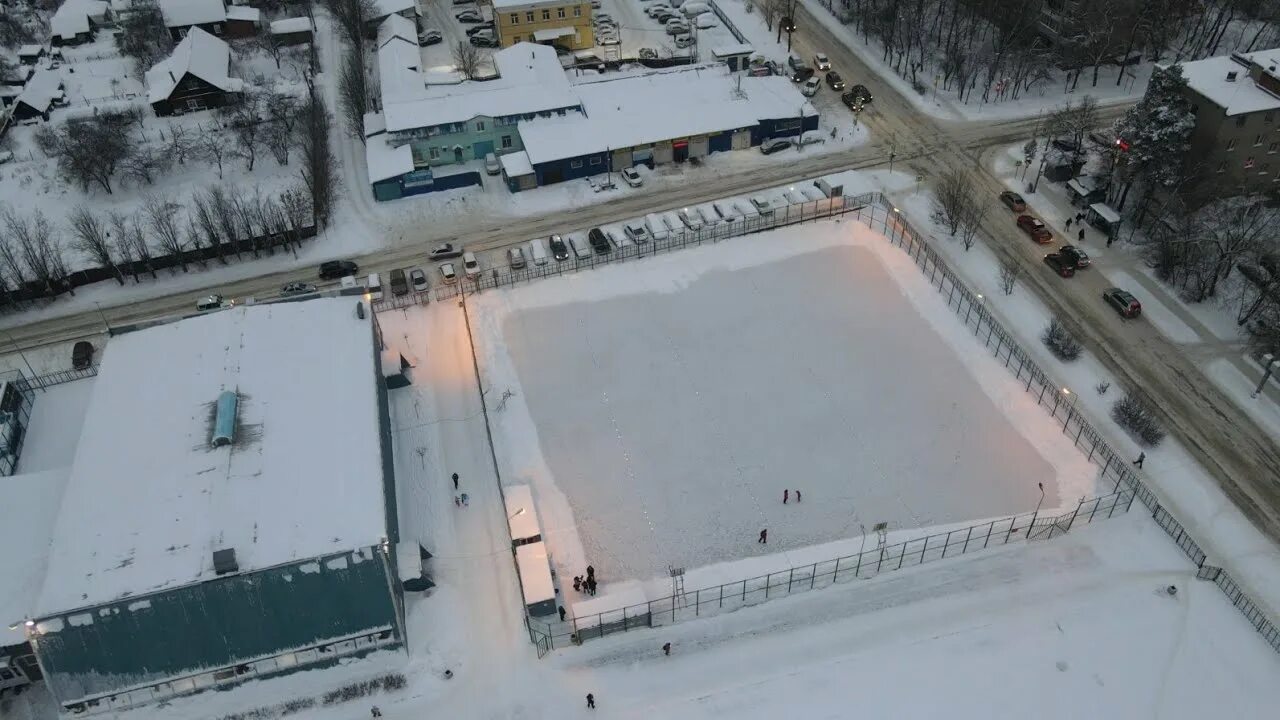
(399, 283)
(1014, 201)
(1123, 302)
(769, 147)
(82, 355)
(1066, 145)
(470, 17)
(599, 242)
(862, 93)
(1036, 228)
(445, 251)
(1061, 265)
(559, 250)
(802, 74)
(1075, 255)
(484, 41)
(336, 269)
(479, 28)
(835, 81)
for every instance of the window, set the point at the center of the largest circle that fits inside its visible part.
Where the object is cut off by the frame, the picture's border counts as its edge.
(515, 18)
(560, 13)
(1257, 140)
(577, 11)
(1222, 167)
(506, 142)
(1265, 169)
(546, 14)
(595, 161)
(1273, 147)
(479, 126)
(433, 153)
(575, 164)
(459, 127)
(1241, 120)
(1231, 145)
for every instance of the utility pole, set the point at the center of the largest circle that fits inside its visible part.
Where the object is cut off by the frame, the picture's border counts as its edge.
(1270, 361)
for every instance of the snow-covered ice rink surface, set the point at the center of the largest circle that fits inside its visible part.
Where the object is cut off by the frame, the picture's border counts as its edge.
(661, 407)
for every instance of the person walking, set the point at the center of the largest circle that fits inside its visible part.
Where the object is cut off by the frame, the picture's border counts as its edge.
(591, 701)
(1069, 221)
(375, 712)
(561, 613)
(797, 496)
(591, 585)
(1080, 235)
(457, 501)
(764, 536)
(455, 481)
(666, 649)
(1142, 457)
(591, 571)
(577, 583)
(785, 494)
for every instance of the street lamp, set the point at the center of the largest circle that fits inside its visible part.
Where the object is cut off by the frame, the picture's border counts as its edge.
(1071, 407)
(1270, 361)
(1036, 514)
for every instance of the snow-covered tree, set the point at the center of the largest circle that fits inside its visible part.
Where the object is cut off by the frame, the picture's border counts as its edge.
(1156, 132)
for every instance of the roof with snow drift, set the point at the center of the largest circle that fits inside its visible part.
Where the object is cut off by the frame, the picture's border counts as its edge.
(149, 500)
(179, 13)
(41, 89)
(199, 54)
(72, 18)
(1240, 95)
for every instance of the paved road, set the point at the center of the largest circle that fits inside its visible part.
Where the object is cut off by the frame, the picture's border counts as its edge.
(1237, 452)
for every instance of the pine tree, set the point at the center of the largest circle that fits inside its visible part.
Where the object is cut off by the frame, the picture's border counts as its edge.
(1157, 131)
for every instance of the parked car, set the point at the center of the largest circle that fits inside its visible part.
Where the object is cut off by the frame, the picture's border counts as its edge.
(470, 265)
(761, 70)
(82, 355)
(835, 81)
(491, 164)
(802, 74)
(762, 205)
(448, 274)
(399, 283)
(632, 177)
(211, 302)
(515, 258)
(463, 2)
(481, 28)
(469, 16)
(1014, 201)
(607, 38)
(559, 250)
(581, 247)
(1060, 265)
(690, 218)
(445, 251)
(653, 10)
(705, 21)
(636, 231)
(683, 40)
(418, 279)
(373, 286)
(794, 62)
(677, 27)
(297, 288)
(645, 53)
(599, 242)
(810, 87)
(1036, 228)
(430, 37)
(484, 41)
(1066, 145)
(598, 18)
(1102, 139)
(769, 147)
(334, 269)
(1123, 302)
(861, 92)
(1077, 256)
(821, 61)
(725, 210)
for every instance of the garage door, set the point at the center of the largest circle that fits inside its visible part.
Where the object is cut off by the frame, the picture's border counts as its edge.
(742, 140)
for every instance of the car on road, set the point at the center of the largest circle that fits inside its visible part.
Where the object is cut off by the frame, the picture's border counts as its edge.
(599, 242)
(1036, 228)
(559, 250)
(1060, 265)
(1123, 302)
(445, 251)
(1075, 255)
(1013, 201)
(852, 101)
(821, 61)
(82, 355)
(211, 302)
(835, 81)
(769, 147)
(632, 177)
(802, 74)
(794, 62)
(515, 258)
(862, 93)
(418, 279)
(335, 269)
(297, 288)
(469, 16)
(470, 265)
(430, 37)
(810, 87)
(448, 273)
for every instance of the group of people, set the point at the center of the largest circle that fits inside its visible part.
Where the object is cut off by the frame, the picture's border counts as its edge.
(786, 495)
(459, 500)
(586, 583)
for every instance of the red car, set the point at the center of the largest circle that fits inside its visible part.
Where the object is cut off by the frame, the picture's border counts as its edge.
(1035, 228)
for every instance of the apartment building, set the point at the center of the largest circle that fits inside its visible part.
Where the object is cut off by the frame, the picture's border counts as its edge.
(566, 23)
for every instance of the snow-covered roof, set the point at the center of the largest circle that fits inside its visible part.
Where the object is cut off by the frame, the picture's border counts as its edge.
(30, 51)
(149, 500)
(554, 33)
(25, 538)
(636, 110)
(516, 164)
(522, 516)
(385, 161)
(374, 123)
(398, 64)
(530, 80)
(728, 49)
(387, 7)
(72, 18)
(41, 89)
(290, 25)
(509, 4)
(535, 573)
(1208, 77)
(1105, 212)
(199, 53)
(244, 13)
(180, 13)
(397, 26)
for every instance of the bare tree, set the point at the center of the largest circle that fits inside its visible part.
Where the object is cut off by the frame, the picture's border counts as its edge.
(143, 35)
(319, 166)
(11, 264)
(89, 150)
(971, 221)
(283, 108)
(204, 216)
(144, 163)
(181, 144)
(121, 243)
(1009, 272)
(245, 119)
(952, 198)
(222, 206)
(213, 148)
(162, 218)
(352, 17)
(467, 58)
(353, 94)
(38, 247)
(91, 237)
(141, 248)
(771, 11)
(294, 206)
(267, 41)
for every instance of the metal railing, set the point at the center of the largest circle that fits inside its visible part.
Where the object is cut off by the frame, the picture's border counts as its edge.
(57, 377)
(395, 302)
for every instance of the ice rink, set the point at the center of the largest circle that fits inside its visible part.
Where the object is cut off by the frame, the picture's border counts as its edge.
(670, 406)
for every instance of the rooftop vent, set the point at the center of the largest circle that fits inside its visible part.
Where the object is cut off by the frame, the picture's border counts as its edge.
(1231, 76)
(224, 561)
(224, 421)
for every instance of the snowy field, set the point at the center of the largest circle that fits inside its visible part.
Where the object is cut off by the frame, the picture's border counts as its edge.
(660, 408)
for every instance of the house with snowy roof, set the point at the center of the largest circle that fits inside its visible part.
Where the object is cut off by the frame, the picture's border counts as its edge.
(229, 513)
(383, 9)
(76, 21)
(195, 77)
(40, 95)
(212, 16)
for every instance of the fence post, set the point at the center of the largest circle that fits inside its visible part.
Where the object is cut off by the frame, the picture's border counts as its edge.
(722, 595)
(965, 549)
(990, 526)
(790, 577)
(813, 575)
(697, 602)
(922, 552)
(903, 556)
(744, 591)
(836, 575)
(624, 620)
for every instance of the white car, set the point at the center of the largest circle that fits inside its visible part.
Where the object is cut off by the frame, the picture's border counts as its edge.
(430, 37)
(448, 273)
(470, 16)
(705, 21)
(632, 177)
(690, 218)
(653, 10)
(683, 40)
(821, 62)
(607, 39)
(762, 205)
(637, 231)
(418, 279)
(470, 264)
(211, 302)
(810, 87)
(491, 164)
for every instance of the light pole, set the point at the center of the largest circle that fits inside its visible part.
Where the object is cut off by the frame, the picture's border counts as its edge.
(1036, 514)
(1071, 408)
(1270, 361)
(103, 315)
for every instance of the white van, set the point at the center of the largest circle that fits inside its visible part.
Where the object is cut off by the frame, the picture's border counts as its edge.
(658, 230)
(374, 286)
(539, 251)
(725, 211)
(694, 9)
(581, 248)
(690, 219)
(746, 210)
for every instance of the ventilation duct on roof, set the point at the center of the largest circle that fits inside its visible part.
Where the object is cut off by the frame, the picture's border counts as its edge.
(1231, 76)
(224, 561)
(224, 420)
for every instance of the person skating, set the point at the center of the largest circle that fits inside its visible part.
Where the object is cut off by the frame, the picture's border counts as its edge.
(455, 481)
(666, 648)
(591, 701)
(764, 536)
(785, 494)
(1142, 457)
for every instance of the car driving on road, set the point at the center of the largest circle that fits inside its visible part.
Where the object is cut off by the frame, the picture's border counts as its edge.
(445, 251)
(297, 288)
(1060, 265)
(1013, 201)
(769, 147)
(1122, 302)
(1036, 228)
(821, 61)
(835, 81)
(1075, 255)
(632, 177)
(336, 269)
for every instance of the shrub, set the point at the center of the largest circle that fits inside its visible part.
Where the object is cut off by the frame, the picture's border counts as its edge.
(1060, 342)
(1133, 415)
